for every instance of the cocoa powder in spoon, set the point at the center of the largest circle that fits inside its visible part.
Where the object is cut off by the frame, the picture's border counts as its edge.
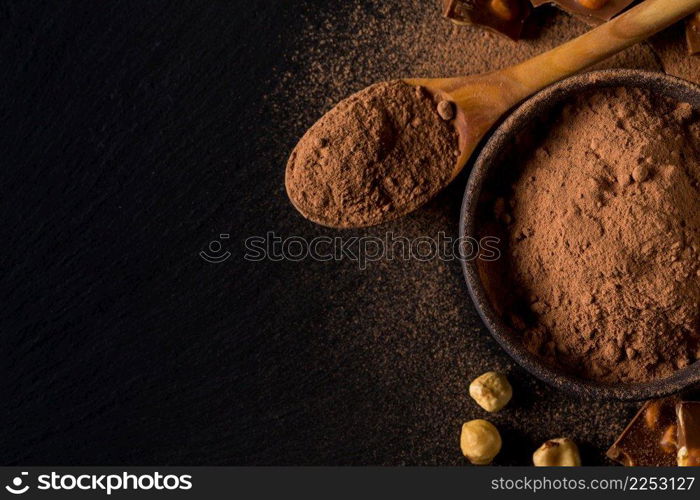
(378, 154)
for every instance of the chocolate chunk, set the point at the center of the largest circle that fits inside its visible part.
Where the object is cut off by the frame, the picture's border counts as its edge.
(506, 17)
(692, 33)
(593, 12)
(649, 439)
(688, 416)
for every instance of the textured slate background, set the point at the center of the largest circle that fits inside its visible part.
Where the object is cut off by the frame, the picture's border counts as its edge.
(133, 134)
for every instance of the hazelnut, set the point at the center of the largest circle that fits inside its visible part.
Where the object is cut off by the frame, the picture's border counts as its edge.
(446, 110)
(480, 441)
(491, 391)
(593, 4)
(559, 452)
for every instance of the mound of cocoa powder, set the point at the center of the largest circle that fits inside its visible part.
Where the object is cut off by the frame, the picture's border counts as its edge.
(603, 226)
(386, 149)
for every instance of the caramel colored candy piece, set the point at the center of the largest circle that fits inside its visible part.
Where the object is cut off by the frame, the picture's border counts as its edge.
(649, 440)
(506, 17)
(593, 4)
(688, 416)
(591, 11)
(692, 33)
(669, 441)
(504, 9)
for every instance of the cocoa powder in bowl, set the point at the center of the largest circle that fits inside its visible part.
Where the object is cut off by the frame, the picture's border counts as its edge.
(600, 272)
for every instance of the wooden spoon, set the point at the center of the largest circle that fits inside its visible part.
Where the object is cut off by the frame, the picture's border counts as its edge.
(482, 99)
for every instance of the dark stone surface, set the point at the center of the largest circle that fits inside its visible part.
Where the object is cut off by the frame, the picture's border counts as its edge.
(133, 134)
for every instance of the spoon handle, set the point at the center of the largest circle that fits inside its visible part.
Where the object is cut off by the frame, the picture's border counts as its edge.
(632, 27)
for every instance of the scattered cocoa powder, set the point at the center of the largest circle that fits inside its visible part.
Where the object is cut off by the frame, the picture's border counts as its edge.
(379, 41)
(671, 48)
(378, 154)
(604, 237)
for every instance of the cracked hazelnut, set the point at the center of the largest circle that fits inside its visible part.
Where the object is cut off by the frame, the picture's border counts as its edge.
(685, 459)
(559, 452)
(491, 391)
(480, 441)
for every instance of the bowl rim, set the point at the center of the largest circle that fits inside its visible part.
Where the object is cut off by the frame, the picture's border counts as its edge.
(517, 120)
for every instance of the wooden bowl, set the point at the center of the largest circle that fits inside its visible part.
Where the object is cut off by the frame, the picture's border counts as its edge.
(486, 170)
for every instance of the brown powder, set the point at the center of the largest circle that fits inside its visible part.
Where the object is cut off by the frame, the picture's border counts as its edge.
(378, 154)
(604, 237)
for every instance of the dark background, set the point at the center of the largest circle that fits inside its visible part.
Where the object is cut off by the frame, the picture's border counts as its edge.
(132, 135)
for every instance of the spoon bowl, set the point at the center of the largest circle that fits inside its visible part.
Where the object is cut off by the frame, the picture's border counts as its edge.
(489, 169)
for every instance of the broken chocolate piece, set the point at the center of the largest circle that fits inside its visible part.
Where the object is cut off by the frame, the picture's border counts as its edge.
(692, 33)
(593, 12)
(688, 416)
(649, 440)
(506, 17)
